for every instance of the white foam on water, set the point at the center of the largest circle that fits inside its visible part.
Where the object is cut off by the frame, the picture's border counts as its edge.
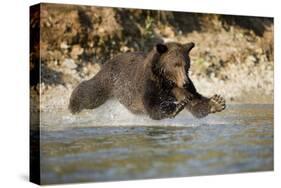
(112, 113)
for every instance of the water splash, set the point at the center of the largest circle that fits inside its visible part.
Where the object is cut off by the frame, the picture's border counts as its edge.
(112, 113)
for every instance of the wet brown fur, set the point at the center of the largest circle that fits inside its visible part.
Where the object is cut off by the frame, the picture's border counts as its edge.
(155, 83)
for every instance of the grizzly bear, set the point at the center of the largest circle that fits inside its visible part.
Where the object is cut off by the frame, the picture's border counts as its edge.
(155, 83)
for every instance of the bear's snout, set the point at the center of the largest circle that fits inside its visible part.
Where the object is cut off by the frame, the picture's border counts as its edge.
(181, 78)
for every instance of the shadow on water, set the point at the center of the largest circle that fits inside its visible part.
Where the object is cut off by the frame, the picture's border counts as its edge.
(238, 140)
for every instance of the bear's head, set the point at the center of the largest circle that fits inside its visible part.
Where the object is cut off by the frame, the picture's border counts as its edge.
(173, 63)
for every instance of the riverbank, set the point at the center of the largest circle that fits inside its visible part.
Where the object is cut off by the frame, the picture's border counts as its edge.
(233, 55)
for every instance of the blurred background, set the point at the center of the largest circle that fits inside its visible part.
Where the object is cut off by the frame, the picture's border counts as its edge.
(233, 54)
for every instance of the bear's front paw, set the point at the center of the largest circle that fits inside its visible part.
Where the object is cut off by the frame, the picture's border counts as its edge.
(179, 107)
(216, 103)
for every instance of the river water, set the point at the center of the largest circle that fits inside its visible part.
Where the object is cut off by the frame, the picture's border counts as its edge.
(109, 144)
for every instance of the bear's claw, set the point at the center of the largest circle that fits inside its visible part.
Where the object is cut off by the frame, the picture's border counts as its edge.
(216, 103)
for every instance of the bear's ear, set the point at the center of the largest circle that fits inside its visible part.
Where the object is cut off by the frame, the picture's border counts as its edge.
(188, 46)
(161, 48)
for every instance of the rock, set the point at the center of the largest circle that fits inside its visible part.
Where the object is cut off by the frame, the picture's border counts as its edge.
(250, 60)
(69, 63)
(124, 49)
(91, 69)
(76, 51)
(64, 45)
